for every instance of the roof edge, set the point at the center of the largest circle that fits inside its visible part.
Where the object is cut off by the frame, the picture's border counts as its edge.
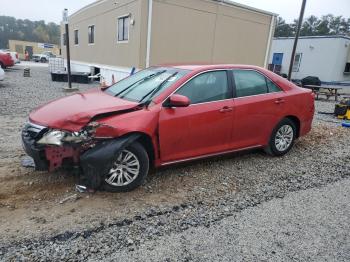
(313, 37)
(232, 3)
(88, 6)
(228, 2)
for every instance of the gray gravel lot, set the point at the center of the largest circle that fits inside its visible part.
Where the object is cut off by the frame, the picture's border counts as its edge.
(19, 95)
(308, 225)
(246, 206)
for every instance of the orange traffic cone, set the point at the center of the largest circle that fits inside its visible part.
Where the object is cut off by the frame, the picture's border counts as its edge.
(103, 82)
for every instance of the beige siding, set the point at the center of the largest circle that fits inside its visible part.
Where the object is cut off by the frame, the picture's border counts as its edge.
(207, 32)
(183, 31)
(106, 50)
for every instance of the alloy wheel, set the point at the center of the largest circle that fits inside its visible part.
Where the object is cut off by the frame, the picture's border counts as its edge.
(124, 170)
(284, 138)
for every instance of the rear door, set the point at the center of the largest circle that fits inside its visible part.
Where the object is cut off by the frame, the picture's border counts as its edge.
(204, 127)
(259, 105)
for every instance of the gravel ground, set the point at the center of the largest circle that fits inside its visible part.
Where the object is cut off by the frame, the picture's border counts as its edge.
(304, 232)
(177, 203)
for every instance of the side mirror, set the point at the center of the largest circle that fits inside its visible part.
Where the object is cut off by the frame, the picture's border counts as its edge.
(177, 101)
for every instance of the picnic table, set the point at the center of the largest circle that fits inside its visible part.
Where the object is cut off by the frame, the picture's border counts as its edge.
(326, 90)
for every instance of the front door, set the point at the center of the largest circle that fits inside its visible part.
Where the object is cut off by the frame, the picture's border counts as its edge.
(204, 127)
(259, 105)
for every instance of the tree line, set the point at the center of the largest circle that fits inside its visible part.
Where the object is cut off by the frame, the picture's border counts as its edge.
(312, 26)
(27, 30)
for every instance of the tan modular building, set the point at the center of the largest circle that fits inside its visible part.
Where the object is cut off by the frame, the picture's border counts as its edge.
(32, 47)
(114, 36)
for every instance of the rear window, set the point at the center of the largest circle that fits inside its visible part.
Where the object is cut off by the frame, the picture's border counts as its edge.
(250, 83)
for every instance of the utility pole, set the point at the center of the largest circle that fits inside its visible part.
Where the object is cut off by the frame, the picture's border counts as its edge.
(65, 21)
(300, 22)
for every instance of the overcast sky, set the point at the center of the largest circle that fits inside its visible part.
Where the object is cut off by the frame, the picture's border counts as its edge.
(51, 10)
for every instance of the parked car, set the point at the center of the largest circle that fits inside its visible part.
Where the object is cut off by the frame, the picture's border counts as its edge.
(2, 74)
(165, 115)
(14, 55)
(43, 58)
(6, 60)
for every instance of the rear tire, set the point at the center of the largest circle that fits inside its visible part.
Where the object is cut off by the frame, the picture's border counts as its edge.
(282, 138)
(2, 66)
(129, 170)
(43, 60)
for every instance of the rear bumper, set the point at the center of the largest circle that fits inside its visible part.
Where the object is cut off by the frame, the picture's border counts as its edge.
(305, 127)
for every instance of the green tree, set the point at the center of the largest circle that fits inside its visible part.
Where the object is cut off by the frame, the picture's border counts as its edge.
(41, 33)
(282, 28)
(19, 29)
(314, 26)
(309, 26)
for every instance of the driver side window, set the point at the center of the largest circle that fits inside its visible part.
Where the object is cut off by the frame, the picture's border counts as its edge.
(207, 87)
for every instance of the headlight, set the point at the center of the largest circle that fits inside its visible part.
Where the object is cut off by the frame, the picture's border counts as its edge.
(52, 138)
(57, 138)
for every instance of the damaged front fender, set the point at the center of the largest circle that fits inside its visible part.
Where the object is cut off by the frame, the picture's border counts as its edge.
(96, 162)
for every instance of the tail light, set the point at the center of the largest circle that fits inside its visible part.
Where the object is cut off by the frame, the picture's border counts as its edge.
(17, 55)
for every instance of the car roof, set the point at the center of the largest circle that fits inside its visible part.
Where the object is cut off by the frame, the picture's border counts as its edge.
(203, 67)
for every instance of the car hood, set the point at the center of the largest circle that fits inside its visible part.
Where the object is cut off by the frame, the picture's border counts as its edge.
(73, 112)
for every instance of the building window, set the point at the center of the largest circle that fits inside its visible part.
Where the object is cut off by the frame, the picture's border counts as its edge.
(64, 39)
(76, 37)
(347, 68)
(91, 34)
(123, 28)
(297, 61)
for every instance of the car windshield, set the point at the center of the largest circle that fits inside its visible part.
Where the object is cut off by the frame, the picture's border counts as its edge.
(146, 84)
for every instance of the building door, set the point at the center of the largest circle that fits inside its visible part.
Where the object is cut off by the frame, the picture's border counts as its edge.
(277, 58)
(277, 63)
(29, 49)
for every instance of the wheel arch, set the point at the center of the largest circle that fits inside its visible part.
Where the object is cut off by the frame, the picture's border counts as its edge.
(296, 121)
(146, 141)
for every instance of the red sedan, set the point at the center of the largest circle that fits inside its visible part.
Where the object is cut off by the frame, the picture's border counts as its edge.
(164, 115)
(6, 60)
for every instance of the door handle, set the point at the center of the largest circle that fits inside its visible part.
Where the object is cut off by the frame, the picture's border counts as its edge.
(279, 101)
(226, 109)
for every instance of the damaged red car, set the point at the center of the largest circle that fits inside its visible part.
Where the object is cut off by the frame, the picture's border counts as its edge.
(165, 115)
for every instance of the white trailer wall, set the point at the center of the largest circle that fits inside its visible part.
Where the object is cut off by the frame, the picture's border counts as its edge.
(324, 57)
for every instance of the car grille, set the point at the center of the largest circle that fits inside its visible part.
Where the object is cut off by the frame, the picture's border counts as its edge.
(34, 131)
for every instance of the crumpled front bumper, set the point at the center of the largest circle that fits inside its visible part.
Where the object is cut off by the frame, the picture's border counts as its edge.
(37, 153)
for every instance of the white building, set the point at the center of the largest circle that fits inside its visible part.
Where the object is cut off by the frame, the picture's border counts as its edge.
(327, 57)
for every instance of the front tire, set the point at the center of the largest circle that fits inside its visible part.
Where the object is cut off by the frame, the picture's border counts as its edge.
(129, 169)
(282, 138)
(43, 60)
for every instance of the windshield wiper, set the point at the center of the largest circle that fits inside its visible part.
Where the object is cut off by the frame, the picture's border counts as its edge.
(155, 90)
(140, 81)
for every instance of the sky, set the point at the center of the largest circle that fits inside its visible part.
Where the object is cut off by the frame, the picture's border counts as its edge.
(51, 10)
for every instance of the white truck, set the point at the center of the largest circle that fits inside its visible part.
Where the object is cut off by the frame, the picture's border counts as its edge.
(43, 58)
